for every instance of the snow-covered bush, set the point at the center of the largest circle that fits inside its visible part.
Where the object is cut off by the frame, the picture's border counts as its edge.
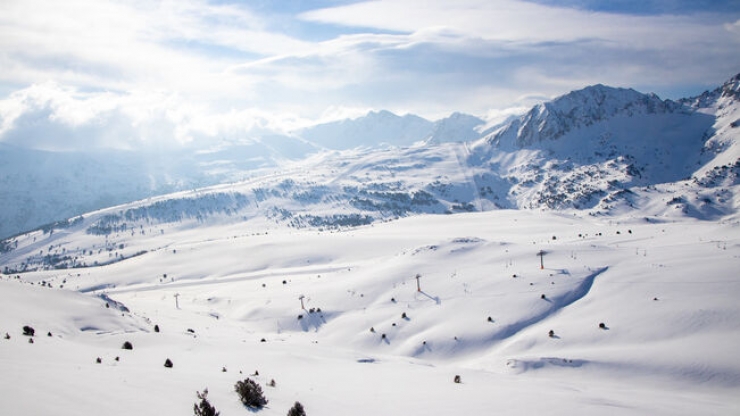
(250, 393)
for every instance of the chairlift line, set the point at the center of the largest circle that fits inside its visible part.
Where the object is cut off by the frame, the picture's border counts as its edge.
(542, 253)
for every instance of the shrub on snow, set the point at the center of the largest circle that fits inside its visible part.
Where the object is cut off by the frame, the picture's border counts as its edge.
(29, 331)
(250, 393)
(204, 408)
(297, 410)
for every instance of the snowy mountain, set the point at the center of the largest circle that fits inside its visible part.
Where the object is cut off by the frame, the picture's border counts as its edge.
(590, 263)
(383, 128)
(601, 150)
(458, 127)
(40, 187)
(577, 110)
(376, 128)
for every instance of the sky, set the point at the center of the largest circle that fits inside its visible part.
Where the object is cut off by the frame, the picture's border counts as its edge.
(115, 73)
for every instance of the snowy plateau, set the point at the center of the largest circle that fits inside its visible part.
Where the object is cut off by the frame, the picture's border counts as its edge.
(582, 258)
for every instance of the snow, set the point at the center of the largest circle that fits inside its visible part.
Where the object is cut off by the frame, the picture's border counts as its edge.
(600, 149)
(39, 187)
(338, 277)
(241, 283)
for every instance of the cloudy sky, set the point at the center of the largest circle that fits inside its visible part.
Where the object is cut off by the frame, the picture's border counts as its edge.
(138, 71)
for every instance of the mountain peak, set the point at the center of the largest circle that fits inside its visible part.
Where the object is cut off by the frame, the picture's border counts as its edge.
(382, 114)
(371, 130)
(580, 108)
(731, 88)
(727, 93)
(458, 127)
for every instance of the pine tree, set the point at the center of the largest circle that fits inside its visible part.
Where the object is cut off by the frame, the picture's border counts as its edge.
(204, 408)
(297, 410)
(250, 393)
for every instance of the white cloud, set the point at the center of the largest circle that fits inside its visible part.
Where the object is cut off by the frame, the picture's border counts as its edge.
(733, 27)
(180, 71)
(133, 45)
(52, 117)
(515, 21)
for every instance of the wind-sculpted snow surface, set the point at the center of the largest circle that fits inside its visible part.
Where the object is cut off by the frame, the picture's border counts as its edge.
(553, 305)
(435, 314)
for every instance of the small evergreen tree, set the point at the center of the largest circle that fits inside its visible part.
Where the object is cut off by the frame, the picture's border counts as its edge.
(297, 410)
(250, 393)
(204, 408)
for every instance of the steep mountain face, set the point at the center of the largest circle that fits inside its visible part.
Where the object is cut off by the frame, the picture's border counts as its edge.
(603, 148)
(576, 110)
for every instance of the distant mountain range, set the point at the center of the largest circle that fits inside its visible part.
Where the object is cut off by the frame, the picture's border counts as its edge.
(599, 149)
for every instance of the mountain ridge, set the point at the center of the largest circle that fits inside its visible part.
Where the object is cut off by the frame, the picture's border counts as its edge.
(595, 150)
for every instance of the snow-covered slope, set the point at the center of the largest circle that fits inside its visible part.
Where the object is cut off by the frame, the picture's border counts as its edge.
(39, 187)
(380, 319)
(590, 263)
